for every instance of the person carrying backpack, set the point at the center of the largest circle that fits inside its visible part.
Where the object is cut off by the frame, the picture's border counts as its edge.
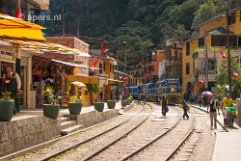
(164, 103)
(185, 109)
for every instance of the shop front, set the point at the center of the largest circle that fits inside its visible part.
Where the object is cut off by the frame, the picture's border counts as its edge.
(89, 92)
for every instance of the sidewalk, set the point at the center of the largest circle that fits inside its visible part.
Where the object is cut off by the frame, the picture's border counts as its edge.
(29, 113)
(228, 144)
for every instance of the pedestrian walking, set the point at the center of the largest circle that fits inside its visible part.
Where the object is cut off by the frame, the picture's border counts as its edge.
(139, 98)
(212, 108)
(164, 103)
(185, 110)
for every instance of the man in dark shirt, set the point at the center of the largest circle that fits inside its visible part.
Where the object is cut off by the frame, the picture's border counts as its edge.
(213, 106)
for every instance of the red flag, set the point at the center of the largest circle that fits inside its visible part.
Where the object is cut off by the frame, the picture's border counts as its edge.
(202, 81)
(94, 64)
(105, 51)
(19, 13)
(224, 56)
(235, 75)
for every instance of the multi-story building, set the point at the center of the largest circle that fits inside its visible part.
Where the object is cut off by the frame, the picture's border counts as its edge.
(173, 57)
(212, 38)
(145, 70)
(10, 7)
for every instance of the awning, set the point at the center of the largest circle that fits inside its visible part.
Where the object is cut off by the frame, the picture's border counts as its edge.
(11, 27)
(40, 47)
(69, 63)
(114, 80)
(79, 84)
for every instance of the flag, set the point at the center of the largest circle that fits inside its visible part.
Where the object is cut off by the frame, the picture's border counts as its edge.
(224, 56)
(120, 77)
(19, 13)
(153, 53)
(235, 75)
(94, 64)
(105, 51)
(202, 81)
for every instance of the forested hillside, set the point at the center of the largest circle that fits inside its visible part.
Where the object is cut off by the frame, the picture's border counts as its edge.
(141, 23)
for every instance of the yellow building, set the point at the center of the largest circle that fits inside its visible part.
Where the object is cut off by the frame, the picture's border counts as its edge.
(211, 40)
(83, 91)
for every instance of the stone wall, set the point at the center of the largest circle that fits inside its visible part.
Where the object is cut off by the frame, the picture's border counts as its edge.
(23, 133)
(90, 118)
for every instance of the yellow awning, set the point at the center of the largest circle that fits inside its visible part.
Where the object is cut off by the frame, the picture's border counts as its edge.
(40, 47)
(11, 27)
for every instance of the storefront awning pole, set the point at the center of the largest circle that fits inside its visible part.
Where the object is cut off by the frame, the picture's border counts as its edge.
(18, 66)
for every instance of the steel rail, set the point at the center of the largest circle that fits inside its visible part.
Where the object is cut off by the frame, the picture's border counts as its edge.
(82, 142)
(151, 142)
(216, 119)
(181, 143)
(116, 140)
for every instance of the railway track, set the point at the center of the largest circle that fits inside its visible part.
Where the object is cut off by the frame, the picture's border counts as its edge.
(132, 120)
(186, 146)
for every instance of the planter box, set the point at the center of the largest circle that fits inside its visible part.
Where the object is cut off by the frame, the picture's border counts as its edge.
(111, 104)
(51, 111)
(74, 108)
(99, 106)
(6, 110)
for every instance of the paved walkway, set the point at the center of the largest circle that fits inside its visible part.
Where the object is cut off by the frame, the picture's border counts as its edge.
(228, 144)
(29, 113)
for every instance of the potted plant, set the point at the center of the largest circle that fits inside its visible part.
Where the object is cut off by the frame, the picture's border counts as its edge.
(6, 107)
(111, 104)
(75, 105)
(99, 106)
(123, 103)
(129, 100)
(51, 109)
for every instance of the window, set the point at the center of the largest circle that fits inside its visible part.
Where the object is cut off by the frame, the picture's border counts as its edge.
(187, 48)
(240, 15)
(187, 68)
(221, 40)
(100, 68)
(231, 19)
(211, 66)
(176, 54)
(201, 42)
(104, 67)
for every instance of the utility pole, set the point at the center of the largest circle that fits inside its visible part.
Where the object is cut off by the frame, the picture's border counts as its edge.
(206, 61)
(228, 46)
(124, 42)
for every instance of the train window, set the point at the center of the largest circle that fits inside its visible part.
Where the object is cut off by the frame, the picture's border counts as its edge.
(173, 88)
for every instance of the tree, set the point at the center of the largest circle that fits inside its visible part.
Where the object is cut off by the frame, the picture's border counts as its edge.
(205, 11)
(222, 77)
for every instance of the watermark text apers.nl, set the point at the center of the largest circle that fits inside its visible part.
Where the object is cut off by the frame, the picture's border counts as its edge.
(43, 17)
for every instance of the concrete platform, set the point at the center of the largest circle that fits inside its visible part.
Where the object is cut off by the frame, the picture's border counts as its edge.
(228, 144)
(30, 127)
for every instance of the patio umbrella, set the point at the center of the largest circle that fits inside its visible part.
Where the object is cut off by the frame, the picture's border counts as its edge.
(208, 93)
(12, 27)
(79, 84)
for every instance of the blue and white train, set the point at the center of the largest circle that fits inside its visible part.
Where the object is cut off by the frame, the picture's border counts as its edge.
(171, 88)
